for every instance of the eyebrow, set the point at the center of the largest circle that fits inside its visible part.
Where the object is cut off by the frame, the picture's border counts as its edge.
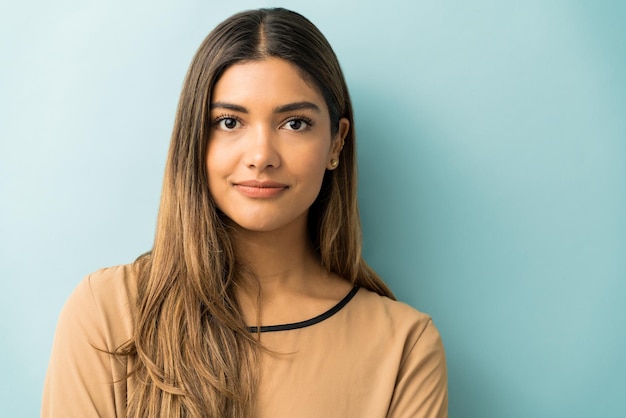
(290, 107)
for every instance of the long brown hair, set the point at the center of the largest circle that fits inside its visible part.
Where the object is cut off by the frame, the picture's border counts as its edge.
(193, 355)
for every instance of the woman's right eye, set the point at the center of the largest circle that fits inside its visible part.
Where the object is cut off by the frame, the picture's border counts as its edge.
(227, 123)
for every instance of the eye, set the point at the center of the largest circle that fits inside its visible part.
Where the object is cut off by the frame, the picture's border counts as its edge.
(227, 123)
(298, 123)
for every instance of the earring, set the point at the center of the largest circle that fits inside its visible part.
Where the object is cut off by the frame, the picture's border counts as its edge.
(334, 163)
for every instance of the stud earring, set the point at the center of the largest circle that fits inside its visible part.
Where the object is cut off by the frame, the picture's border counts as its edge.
(334, 163)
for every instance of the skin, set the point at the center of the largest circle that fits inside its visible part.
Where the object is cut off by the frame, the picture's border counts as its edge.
(269, 147)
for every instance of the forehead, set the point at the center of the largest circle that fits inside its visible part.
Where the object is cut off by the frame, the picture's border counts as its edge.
(269, 80)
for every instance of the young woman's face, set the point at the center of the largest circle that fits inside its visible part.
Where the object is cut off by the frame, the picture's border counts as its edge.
(269, 146)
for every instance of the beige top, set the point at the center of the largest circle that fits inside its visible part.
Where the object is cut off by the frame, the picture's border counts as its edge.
(367, 357)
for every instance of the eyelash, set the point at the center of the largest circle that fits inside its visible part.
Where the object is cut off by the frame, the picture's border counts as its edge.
(220, 118)
(302, 118)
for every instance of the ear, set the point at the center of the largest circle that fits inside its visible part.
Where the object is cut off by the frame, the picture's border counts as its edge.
(337, 145)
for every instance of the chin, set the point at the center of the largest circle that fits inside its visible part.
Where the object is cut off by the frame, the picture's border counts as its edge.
(260, 226)
(269, 223)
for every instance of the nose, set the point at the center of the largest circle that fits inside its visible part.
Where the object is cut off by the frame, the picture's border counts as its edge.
(261, 151)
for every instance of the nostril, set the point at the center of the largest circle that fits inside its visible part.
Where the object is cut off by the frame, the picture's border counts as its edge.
(262, 153)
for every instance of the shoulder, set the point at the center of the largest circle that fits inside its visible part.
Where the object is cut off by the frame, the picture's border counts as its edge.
(118, 283)
(103, 303)
(413, 351)
(403, 329)
(83, 377)
(382, 312)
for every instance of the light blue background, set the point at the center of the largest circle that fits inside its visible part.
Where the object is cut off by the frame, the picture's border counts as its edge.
(492, 151)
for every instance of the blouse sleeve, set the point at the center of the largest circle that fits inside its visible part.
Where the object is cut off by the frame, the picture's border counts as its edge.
(80, 376)
(422, 386)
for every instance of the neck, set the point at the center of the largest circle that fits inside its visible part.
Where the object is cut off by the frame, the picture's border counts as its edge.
(289, 283)
(280, 260)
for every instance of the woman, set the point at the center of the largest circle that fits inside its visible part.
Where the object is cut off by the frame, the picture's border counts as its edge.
(254, 301)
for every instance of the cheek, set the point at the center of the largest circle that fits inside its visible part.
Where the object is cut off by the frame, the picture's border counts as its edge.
(313, 166)
(214, 168)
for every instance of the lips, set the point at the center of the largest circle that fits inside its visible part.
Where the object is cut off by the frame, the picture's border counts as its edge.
(260, 189)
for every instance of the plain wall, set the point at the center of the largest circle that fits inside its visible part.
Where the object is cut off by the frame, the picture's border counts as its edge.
(492, 155)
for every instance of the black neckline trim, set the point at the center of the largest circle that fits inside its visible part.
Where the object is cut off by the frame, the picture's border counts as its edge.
(308, 322)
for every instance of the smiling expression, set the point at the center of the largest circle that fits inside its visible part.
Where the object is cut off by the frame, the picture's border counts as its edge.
(270, 144)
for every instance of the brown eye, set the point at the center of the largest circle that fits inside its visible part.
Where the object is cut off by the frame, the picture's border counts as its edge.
(230, 123)
(295, 124)
(227, 124)
(298, 124)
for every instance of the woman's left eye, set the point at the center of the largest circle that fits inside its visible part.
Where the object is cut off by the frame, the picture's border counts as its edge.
(298, 124)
